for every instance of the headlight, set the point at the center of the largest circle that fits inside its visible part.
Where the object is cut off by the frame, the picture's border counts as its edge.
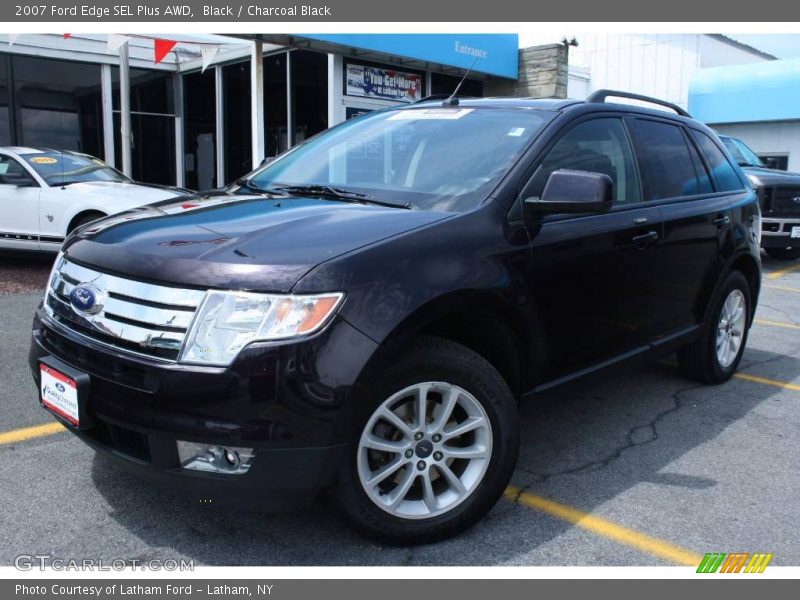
(227, 321)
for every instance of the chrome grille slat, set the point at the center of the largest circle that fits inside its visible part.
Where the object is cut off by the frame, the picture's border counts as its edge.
(137, 317)
(134, 289)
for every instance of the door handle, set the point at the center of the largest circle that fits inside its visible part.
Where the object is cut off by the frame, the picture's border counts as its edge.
(721, 220)
(645, 239)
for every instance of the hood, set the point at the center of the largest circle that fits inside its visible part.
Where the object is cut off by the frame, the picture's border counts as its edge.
(236, 242)
(764, 176)
(139, 193)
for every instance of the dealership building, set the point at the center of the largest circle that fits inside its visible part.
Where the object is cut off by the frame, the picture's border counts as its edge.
(203, 125)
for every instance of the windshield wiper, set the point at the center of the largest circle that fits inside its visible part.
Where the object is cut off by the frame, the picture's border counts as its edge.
(329, 191)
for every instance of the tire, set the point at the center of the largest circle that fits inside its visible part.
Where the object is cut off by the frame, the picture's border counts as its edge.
(783, 253)
(83, 220)
(440, 370)
(701, 360)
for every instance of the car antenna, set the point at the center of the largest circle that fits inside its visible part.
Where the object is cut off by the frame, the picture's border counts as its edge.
(453, 100)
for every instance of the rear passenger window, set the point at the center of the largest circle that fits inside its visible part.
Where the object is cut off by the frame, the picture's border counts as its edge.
(669, 168)
(724, 173)
(598, 146)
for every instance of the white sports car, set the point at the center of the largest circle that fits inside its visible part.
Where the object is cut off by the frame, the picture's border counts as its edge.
(45, 194)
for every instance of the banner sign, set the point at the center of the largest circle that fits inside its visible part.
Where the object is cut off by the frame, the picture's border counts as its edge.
(386, 84)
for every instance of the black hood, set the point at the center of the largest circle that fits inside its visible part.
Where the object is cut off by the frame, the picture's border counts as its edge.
(236, 242)
(764, 176)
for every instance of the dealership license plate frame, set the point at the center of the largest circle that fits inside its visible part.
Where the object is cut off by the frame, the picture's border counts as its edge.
(53, 370)
(795, 232)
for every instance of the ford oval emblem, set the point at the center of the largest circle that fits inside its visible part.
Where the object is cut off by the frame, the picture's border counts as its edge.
(86, 299)
(60, 387)
(796, 199)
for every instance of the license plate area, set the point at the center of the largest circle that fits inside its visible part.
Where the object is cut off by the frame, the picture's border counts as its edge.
(795, 232)
(64, 391)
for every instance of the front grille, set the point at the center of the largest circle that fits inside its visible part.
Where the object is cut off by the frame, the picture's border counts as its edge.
(781, 201)
(142, 318)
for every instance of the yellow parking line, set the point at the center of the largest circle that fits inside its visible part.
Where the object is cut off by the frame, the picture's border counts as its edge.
(641, 541)
(779, 384)
(777, 324)
(27, 433)
(782, 272)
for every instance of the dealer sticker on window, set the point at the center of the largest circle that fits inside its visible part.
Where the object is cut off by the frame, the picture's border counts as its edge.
(59, 394)
(43, 160)
(415, 114)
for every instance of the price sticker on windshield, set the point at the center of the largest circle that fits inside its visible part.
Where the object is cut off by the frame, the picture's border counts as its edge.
(43, 160)
(419, 114)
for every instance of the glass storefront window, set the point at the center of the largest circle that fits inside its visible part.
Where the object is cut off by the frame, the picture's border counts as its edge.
(199, 117)
(309, 93)
(152, 125)
(5, 122)
(238, 145)
(276, 138)
(445, 84)
(58, 104)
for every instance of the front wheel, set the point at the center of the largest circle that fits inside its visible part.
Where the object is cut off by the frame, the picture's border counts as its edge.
(715, 356)
(783, 253)
(433, 449)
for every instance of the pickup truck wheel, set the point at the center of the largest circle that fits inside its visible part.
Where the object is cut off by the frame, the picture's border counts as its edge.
(783, 253)
(715, 357)
(433, 449)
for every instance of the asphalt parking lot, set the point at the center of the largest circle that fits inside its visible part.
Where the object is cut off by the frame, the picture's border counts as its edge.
(643, 469)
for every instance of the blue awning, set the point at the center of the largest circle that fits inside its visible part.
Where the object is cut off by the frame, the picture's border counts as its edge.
(761, 91)
(493, 54)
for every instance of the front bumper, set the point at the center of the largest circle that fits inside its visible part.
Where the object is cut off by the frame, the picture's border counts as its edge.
(776, 232)
(287, 401)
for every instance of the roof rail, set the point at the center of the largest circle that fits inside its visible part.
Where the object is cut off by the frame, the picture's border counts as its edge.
(600, 96)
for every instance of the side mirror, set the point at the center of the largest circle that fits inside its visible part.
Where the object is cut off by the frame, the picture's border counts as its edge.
(568, 191)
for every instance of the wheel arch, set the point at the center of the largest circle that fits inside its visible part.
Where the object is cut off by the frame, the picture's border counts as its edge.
(748, 266)
(483, 323)
(83, 213)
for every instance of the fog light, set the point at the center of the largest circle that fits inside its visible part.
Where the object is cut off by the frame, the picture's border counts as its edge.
(214, 459)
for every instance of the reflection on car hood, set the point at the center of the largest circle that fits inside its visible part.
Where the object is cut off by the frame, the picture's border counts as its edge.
(240, 242)
(760, 176)
(127, 191)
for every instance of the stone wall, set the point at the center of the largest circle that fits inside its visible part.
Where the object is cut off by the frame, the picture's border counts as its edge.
(543, 73)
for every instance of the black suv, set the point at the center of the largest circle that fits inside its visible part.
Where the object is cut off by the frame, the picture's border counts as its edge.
(779, 197)
(363, 314)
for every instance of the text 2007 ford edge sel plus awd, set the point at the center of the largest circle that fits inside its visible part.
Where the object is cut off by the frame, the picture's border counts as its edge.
(363, 314)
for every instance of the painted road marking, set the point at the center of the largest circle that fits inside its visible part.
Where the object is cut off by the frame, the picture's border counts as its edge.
(28, 433)
(763, 380)
(623, 535)
(782, 272)
(777, 324)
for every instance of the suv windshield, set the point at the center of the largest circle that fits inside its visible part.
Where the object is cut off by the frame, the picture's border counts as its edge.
(741, 153)
(440, 158)
(64, 168)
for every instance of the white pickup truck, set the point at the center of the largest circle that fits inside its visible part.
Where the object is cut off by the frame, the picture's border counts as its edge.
(45, 194)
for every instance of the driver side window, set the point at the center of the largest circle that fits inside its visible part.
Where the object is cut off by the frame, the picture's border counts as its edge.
(598, 146)
(11, 172)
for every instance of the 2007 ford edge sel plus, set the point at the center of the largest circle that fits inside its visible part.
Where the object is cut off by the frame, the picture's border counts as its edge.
(363, 314)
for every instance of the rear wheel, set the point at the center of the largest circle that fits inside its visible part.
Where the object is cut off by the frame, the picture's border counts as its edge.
(783, 253)
(433, 449)
(715, 356)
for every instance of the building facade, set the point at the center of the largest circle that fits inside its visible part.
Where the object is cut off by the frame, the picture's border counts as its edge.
(260, 95)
